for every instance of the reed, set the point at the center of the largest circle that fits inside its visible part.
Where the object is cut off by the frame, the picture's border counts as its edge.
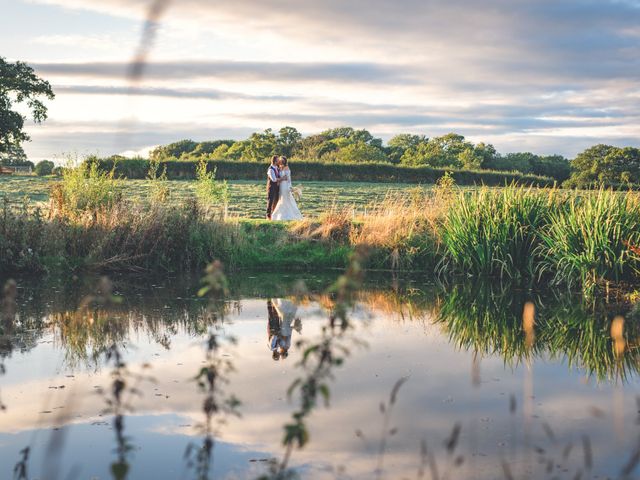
(494, 231)
(590, 240)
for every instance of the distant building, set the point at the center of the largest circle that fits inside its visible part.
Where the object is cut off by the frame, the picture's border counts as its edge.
(22, 169)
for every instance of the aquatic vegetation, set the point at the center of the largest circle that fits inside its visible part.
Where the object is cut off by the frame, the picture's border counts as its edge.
(589, 240)
(494, 232)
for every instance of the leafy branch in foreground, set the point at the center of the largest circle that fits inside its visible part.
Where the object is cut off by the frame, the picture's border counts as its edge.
(117, 400)
(213, 374)
(317, 363)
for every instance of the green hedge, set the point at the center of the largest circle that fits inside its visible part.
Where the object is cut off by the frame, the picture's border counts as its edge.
(334, 172)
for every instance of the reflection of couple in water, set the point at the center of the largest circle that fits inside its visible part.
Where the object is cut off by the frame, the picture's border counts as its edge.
(282, 320)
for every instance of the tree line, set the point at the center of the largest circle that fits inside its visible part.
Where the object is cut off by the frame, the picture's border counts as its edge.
(349, 145)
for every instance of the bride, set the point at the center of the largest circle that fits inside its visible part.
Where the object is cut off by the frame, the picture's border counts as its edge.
(287, 208)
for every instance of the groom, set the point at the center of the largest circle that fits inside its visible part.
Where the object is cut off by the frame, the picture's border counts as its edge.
(273, 185)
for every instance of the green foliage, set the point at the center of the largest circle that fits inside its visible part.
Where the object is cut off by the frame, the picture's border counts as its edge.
(327, 172)
(606, 165)
(554, 166)
(441, 151)
(494, 232)
(86, 187)
(19, 84)
(159, 185)
(209, 191)
(590, 239)
(398, 145)
(359, 152)
(44, 168)
(173, 150)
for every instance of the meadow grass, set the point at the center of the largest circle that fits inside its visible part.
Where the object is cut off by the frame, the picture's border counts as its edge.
(247, 199)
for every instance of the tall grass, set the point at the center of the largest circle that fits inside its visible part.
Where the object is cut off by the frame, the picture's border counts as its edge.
(401, 231)
(590, 239)
(85, 188)
(494, 231)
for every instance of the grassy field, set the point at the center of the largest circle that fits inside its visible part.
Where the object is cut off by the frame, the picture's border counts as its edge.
(248, 198)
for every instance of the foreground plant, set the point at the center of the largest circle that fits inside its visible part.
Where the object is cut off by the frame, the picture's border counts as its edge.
(213, 375)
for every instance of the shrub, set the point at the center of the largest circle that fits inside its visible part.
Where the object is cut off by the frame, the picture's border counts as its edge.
(333, 172)
(44, 168)
(85, 188)
(159, 185)
(209, 191)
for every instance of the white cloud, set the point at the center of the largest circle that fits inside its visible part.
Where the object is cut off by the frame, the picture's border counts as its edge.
(559, 74)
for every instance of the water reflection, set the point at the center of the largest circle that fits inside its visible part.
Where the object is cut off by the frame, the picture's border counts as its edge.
(488, 319)
(439, 337)
(281, 324)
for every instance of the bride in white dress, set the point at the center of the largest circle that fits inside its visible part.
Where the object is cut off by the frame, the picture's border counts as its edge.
(287, 208)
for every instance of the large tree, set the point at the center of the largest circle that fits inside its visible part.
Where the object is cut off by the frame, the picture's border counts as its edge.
(19, 84)
(606, 165)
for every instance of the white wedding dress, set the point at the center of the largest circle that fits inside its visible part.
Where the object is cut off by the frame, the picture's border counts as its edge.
(287, 208)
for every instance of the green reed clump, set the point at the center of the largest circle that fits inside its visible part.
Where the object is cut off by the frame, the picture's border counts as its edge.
(591, 240)
(494, 231)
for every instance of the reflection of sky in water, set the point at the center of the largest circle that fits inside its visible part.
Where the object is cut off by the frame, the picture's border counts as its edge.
(439, 393)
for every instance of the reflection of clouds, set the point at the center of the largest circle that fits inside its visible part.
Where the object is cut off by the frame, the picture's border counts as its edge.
(438, 393)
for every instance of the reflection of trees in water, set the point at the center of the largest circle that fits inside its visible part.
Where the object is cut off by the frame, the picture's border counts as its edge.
(488, 319)
(482, 317)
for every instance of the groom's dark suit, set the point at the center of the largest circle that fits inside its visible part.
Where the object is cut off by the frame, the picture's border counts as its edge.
(273, 189)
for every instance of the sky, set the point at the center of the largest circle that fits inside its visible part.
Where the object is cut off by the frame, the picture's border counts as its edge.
(546, 76)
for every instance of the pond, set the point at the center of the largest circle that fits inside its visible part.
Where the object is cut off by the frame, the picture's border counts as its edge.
(478, 394)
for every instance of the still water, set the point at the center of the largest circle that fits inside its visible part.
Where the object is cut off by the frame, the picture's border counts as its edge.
(556, 404)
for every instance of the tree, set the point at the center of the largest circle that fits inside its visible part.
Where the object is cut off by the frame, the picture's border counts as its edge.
(44, 168)
(288, 141)
(444, 151)
(360, 152)
(398, 145)
(173, 150)
(19, 84)
(261, 146)
(606, 165)
(207, 148)
(554, 166)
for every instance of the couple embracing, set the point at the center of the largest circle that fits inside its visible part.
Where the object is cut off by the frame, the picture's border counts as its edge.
(280, 202)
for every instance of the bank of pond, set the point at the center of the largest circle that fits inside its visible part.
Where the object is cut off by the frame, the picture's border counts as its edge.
(583, 240)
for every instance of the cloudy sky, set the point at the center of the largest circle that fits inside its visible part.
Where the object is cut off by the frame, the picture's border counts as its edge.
(542, 75)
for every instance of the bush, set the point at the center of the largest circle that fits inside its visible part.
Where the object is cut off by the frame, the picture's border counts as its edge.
(209, 191)
(44, 168)
(85, 188)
